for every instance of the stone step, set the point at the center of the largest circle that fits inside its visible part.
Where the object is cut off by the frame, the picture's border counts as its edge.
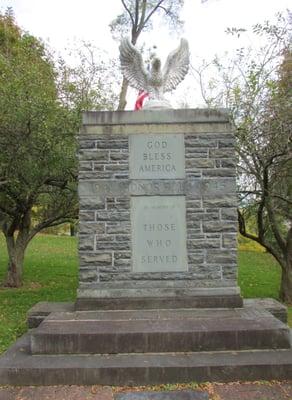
(19, 367)
(150, 296)
(41, 310)
(150, 331)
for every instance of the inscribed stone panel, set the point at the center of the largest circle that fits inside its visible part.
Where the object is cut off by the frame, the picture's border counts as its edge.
(159, 233)
(157, 156)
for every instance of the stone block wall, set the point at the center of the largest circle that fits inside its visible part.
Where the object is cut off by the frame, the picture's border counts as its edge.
(212, 219)
(105, 246)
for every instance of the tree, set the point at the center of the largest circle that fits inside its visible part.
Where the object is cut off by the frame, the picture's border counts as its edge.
(41, 102)
(270, 196)
(257, 90)
(90, 83)
(138, 16)
(37, 142)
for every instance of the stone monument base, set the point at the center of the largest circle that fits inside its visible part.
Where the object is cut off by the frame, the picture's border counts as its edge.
(156, 295)
(139, 347)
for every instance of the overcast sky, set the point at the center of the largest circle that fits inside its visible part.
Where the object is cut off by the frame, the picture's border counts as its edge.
(60, 22)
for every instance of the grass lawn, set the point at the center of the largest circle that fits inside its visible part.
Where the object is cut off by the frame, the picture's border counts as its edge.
(50, 274)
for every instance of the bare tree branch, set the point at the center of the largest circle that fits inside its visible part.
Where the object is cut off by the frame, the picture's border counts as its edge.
(243, 232)
(141, 23)
(152, 11)
(53, 221)
(136, 13)
(128, 11)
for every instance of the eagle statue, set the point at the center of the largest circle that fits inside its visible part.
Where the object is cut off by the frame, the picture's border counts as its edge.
(158, 80)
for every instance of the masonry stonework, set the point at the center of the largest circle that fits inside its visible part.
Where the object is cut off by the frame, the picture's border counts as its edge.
(105, 191)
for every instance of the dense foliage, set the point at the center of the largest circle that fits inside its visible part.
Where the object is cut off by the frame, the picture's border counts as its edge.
(41, 101)
(37, 141)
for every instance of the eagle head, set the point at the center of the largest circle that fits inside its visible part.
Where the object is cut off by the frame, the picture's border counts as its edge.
(156, 64)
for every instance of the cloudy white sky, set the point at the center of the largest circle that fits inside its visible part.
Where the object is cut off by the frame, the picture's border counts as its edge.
(60, 22)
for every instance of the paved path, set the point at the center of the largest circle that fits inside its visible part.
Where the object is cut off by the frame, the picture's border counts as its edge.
(216, 391)
(253, 391)
(56, 393)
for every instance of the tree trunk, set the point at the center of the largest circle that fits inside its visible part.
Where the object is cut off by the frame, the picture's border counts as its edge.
(72, 229)
(16, 250)
(286, 280)
(125, 85)
(286, 285)
(123, 94)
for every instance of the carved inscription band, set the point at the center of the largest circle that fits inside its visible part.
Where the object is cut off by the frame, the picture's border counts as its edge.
(196, 188)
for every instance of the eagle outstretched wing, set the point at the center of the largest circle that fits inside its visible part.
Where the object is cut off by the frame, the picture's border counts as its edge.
(132, 65)
(176, 66)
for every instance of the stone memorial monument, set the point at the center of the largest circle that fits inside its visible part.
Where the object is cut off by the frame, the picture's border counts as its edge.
(158, 219)
(158, 199)
(158, 299)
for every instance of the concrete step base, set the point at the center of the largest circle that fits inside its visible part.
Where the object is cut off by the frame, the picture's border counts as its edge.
(157, 331)
(19, 367)
(41, 310)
